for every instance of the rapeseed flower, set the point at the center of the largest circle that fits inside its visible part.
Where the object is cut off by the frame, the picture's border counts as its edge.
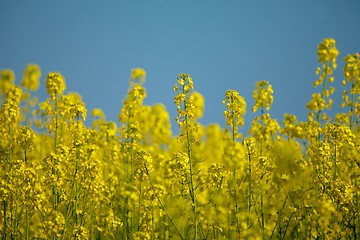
(138, 76)
(263, 95)
(55, 84)
(327, 52)
(31, 77)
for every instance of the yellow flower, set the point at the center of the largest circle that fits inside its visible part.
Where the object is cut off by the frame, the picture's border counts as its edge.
(31, 77)
(7, 78)
(187, 102)
(26, 137)
(327, 52)
(317, 103)
(55, 84)
(199, 104)
(137, 76)
(72, 106)
(97, 112)
(235, 110)
(176, 88)
(10, 110)
(263, 95)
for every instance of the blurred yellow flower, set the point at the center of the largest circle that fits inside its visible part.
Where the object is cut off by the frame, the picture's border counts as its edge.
(137, 76)
(31, 77)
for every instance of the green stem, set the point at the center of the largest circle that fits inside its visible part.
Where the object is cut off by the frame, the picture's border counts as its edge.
(7, 169)
(54, 172)
(139, 214)
(152, 223)
(322, 96)
(55, 194)
(163, 206)
(75, 175)
(128, 165)
(5, 217)
(262, 207)
(335, 162)
(27, 229)
(249, 179)
(14, 218)
(352, 104)
(56, 119)
(234, 177)
(192, 188)
(279, 216)
(261, 179)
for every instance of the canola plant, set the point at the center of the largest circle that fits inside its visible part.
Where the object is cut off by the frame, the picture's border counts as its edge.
(133, 179)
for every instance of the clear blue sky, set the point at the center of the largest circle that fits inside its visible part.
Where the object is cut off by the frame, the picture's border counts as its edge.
(221, 44)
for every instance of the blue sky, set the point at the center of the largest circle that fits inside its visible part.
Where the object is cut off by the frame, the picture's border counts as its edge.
(221, 44)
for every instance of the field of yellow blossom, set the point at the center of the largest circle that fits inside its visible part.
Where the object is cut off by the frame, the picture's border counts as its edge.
(62, 179)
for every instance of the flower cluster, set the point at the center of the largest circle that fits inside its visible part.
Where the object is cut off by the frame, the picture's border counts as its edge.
(327, 55)
(352, 76)
(235, 110)
(31, 77)
(263, 95)
(327, 52)
(184, 100)
(55, 84)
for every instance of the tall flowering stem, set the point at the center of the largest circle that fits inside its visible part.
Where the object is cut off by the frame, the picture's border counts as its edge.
(26, 143)
(317, 117)
(263, 130)
(30, 83)
(55, 85)
(327, 54)
(131, 138)
(184, 101)
(234, 115)
(352, 77)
